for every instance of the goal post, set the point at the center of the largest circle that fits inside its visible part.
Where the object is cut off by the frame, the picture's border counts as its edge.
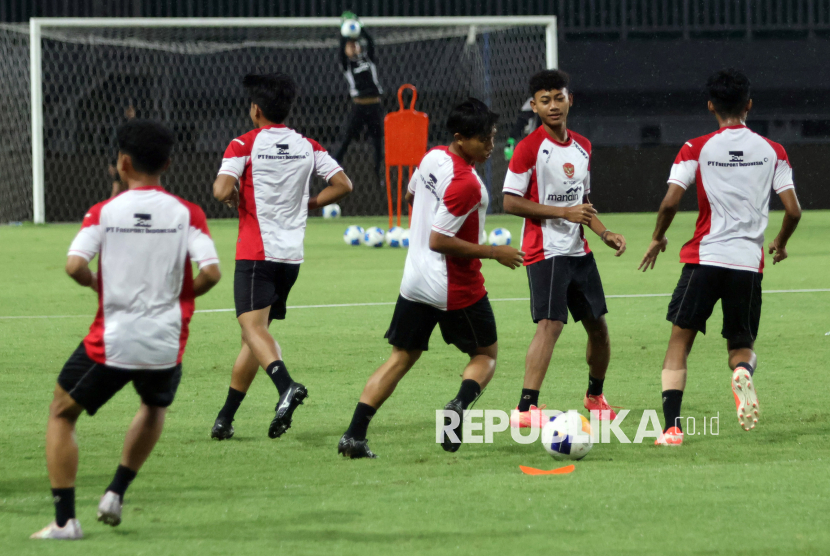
(243, 44)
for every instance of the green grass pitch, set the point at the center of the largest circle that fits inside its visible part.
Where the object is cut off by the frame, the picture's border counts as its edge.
(763, 492)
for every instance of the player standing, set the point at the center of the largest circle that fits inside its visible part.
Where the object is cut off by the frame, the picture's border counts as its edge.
(273, 165)
(548, 183)
(442, 282)
(734, 170)
(145, 240)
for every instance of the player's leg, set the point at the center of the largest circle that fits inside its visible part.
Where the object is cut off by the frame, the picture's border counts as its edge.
(242, 375)
(354, 125)
(374, 123)
(157, 389)
(412, 325)
(741, 318)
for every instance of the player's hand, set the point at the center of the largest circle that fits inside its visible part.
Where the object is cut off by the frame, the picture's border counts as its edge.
(654, 249)
(615, 241)
(112, 171)
(508, 256)
(580, 214)
(779, 251)
(233, 200)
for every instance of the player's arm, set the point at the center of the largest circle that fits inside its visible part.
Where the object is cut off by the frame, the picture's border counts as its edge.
(668, 208)
(339, 186)
(208, 277)
(519, 206)
(455, 247)
(78, 269)
(792, 214)
(225, 191)
(613, 240)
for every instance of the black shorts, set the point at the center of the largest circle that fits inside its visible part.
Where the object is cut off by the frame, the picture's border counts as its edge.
(469, 328)
(564, 283)
(261, 284)
(92, 385)
(699, 289)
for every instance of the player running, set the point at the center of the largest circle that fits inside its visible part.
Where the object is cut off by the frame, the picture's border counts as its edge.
(273, 165)
(442, 282)
(548, 183)
(734, 170)
(145, 239)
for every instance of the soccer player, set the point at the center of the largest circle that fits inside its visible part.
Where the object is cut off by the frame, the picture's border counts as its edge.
(548, 183)
(734, 170)
(273, 165)
(442, 282)
(358, 61)
(145, 240)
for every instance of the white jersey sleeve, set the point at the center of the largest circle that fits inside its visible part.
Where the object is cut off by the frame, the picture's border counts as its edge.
(87, 243)
(782, 179)
(685, 166)
(324, 165)
(413, 182)
(461, 197)
(520, 170)
(200, 247)
(237, 156)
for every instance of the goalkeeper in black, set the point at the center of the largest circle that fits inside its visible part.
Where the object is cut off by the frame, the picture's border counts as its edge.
(358, 62)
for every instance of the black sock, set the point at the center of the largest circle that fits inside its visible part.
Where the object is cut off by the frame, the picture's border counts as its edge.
(232, 402)
(595, 386)
(279, 375)
(363, 413)
(64, 499)
(671, 408)
(469, 391)
(123, 477)
(529, 397)
(746, 366)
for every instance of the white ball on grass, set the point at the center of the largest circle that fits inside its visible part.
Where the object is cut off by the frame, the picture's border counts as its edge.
(353, 235)
(373, 237)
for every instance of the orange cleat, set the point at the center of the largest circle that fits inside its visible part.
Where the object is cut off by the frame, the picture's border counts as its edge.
(599, 404)
(533, 418)
(672, 437)
(746, 400)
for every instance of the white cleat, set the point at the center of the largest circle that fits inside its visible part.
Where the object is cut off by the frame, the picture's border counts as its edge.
(109, 509)
(746, 400)
(69, 532)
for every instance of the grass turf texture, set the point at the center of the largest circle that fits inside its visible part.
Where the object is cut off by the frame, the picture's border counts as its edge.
(763, 492)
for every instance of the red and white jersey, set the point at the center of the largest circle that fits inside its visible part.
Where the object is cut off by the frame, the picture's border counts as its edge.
(555, 174)
(145, 239)
(735, 170)
(450, 199)
(274, 165)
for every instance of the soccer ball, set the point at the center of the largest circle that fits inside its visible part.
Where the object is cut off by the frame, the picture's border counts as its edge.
(567, 436)
(393, 236)
(331, 211)
(405, 238)
(353, 235)
(350, 28)
(373, 237)
(499, 236)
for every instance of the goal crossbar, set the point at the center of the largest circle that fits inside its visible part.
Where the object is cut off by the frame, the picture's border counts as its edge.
(36, 26)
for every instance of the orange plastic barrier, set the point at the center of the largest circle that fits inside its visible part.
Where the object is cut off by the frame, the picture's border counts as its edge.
(405, 132)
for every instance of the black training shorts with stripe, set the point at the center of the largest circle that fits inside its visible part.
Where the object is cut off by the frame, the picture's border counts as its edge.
(563, 283)
(261, 284)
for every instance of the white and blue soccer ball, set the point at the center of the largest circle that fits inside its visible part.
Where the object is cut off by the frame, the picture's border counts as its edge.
(405, 237)
(350, 28)
(567, 436)
(393, 236)
(499, 236)
(331, 211)
(373, 237)
(354, 235)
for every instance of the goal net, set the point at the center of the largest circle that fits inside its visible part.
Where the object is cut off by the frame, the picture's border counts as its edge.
(189, 77)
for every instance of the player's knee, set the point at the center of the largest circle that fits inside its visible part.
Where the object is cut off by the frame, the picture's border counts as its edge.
(63, 406)
(491, 352)
(402, 360)
(551, 329)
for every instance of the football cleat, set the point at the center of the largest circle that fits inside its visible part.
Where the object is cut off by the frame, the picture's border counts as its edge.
(222, 429)
(673, 436)
(447, 443)
(746, 399)
(348, 447)
(109, 509)
(289, 400)
(531, 419)
(599, 404)
(69, 532)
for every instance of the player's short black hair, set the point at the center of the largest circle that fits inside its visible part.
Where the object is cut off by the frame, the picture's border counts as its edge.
(729, 91)
(147, 142)
(274, 93)
(472, 118)
(549, 80)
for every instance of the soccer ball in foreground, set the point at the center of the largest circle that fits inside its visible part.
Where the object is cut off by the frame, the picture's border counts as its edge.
(373, 237)
(393, 236)
(567, 436)
(350, 29)
(500, 236)
(331, 211)
(405, 238)
(353, 235)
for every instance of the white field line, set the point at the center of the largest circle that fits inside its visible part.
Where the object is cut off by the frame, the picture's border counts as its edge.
(387, 303)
